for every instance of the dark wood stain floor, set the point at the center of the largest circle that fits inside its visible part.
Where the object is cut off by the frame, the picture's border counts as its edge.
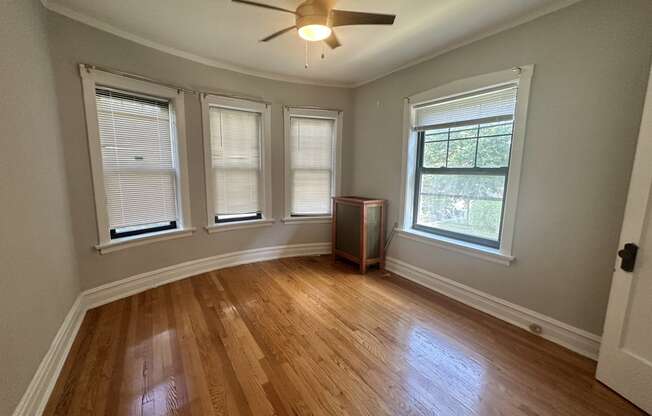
(305, 336)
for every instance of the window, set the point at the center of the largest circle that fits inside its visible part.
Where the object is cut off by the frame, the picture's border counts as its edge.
(464, 150)
(312, 147)
(136, 146)
(462, 164)
(238, 177)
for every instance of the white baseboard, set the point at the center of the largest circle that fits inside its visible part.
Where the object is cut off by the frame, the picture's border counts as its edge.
(575, 339)
(36, 396)
(40, 388)
(38, 392)
(141, 282)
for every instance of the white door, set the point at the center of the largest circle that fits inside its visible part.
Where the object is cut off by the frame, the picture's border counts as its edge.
(625, 362)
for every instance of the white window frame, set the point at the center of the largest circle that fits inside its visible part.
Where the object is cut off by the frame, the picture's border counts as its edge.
(337, 117)
(264, 109)
(91, 78)
(504, 254)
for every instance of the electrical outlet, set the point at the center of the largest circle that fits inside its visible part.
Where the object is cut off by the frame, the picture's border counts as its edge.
(536, 328)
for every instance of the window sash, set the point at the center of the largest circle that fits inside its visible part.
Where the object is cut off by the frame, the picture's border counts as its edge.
(144, 229)
(138, 153)
(221, 219)
(321, 170)
(227, 160)
(479, 171)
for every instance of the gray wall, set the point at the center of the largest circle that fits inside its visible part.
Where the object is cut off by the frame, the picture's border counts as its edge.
(38, 276)
(592, 61)
(72, 43)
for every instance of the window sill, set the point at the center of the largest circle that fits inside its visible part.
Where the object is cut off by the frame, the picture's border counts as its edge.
(474, 250)
(325, 219)
(238, 225)
(139, 240)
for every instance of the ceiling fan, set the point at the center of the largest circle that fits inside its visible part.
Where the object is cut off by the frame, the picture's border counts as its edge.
(315, 20)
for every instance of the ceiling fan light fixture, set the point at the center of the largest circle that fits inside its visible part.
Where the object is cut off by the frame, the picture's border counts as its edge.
(315, 20)
(315, 32)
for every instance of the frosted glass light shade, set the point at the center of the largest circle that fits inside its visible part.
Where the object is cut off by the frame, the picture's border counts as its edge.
(314, 33)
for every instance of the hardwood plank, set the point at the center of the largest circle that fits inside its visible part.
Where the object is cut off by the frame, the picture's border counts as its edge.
(68, 384)
(306, 336)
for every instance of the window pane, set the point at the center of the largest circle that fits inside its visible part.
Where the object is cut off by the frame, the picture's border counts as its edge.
(496, 129)
(493, 152)
(465, 132)
(236, 159)
(436, 135)
(138, 159)
(311, 192)
(461, 153)
(143, 227)
(464, 204)
(434, 154)
(311, 165)
(140, 197)
(238, 217)
(236, 191)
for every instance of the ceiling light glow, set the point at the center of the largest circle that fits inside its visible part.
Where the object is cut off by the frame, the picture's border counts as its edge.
(314, 33)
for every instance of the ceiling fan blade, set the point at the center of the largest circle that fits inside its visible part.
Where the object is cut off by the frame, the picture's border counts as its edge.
(266, 6)
(279, 33)
(346, 18)
(332, 41)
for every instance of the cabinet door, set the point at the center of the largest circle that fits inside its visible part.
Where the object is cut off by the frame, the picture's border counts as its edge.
(348, 229)
(373, 232)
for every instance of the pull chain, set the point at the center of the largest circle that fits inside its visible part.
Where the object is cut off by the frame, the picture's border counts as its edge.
(307, 63)
(323, 52)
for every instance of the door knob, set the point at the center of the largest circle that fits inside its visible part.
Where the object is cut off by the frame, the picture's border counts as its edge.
(628, 256)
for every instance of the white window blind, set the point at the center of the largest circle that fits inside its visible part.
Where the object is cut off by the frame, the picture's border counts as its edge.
(138, 158)
(311, 165)
(491, 105)
(236, 161)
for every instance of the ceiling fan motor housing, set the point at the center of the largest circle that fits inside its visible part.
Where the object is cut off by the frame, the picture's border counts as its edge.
(312, 13)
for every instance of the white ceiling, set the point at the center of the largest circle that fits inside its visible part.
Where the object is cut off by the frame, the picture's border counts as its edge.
(226, 34)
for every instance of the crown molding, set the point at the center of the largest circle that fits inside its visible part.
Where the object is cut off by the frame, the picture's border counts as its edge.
(97, 24)
(561, 4)
(105, 27)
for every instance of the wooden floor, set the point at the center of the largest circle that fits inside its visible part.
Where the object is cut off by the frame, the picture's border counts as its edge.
(306, 337)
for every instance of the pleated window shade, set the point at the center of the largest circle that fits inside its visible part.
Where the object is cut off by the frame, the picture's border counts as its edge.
(311, 165)
(138, 158)
(495, 104)
(236, 161)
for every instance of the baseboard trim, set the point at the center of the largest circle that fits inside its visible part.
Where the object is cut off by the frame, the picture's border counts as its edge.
(135, 284)
(575, 339)
(38, 392)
